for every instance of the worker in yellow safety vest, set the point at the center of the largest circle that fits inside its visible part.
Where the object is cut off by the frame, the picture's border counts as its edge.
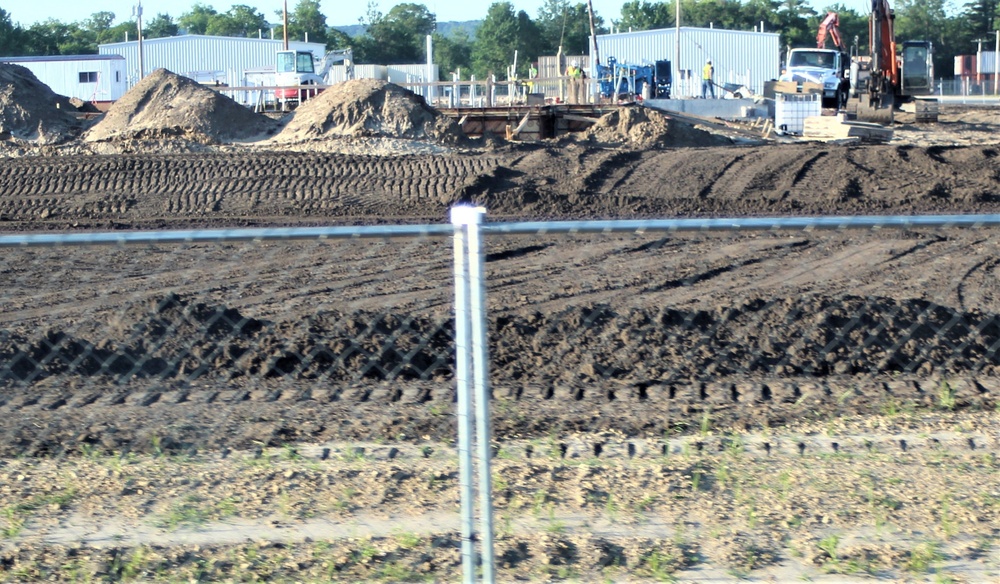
(707, 85)
(574, 73)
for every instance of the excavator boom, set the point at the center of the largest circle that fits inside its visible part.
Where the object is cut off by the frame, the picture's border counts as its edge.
(878, 102)
(829, 27)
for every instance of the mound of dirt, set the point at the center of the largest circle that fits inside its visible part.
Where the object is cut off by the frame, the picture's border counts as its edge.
(369, 108)
(31, 111)
(167, 105)
(641, 127)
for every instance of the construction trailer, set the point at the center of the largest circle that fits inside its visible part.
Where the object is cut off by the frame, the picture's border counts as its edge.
(206, 59)
(740, 58)
(100, 79)
(977, 74)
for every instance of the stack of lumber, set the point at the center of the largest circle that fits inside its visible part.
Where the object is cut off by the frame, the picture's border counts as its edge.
(829, 128)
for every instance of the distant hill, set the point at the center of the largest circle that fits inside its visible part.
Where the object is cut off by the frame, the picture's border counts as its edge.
(445, 28)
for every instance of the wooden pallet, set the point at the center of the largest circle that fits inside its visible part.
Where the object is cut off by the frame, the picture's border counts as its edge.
(829, 128)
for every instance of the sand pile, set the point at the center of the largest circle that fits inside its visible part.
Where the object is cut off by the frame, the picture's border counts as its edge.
(369, 108)
(167, 105)
(641, 127)
(31, 111)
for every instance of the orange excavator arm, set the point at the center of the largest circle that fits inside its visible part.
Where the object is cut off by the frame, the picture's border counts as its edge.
(883, 44)
(829, 27)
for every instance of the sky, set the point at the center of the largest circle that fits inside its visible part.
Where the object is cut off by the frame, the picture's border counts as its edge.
(338, 12)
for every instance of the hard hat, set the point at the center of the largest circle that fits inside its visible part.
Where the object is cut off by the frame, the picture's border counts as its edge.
(709, 61)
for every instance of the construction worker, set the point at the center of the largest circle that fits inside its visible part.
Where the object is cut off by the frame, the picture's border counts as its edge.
(581, 87)
(707, 85)
(573, 72)
(532, 74)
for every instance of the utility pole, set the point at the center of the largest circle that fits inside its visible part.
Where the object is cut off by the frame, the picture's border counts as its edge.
(137, 12)
(284, 23)
(677, 50)
(979, 61)
(593, 35)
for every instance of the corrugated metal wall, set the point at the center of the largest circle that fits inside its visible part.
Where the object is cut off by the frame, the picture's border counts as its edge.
(745, 57)
(338, 73)
(966, 64)
(197, 56)
(63, 77)
(411, 73)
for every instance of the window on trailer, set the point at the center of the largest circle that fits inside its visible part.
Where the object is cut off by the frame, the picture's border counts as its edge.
(88, 76)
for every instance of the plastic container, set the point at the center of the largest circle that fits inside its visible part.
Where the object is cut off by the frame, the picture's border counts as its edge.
(792, 109)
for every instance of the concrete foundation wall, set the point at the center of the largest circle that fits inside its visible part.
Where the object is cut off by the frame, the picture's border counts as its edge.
(713, 108)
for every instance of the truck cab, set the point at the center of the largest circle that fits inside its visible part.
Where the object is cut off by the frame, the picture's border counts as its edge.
(826, 67)
(293, 69)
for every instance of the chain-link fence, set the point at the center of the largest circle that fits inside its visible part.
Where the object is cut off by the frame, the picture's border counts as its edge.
(774, 312)
(665, 396)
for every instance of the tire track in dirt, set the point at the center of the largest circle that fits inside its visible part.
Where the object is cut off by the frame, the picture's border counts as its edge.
(56, 421)
(230, 184)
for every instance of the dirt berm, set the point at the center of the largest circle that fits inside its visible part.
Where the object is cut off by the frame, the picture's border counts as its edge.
(639, 127)
(369, 108)
(31, 111)
(167, 105)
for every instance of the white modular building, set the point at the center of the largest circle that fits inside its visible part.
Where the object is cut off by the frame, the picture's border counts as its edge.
(95, 78)
(740, 57)
(206, 59)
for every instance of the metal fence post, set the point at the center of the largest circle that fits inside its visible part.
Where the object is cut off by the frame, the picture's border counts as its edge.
(481, 383)
(460, 218)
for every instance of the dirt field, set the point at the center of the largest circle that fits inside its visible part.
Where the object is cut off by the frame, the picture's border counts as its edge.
(762, 406)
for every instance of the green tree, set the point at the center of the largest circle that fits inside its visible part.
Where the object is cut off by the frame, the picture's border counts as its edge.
(797, 22)
(576, 41)
(983, 16)
(567, 25)
(336, 39)
(396, 37)
(12, 36)
(926, 20)
(643, 15)
(551, 23)
(52, 37)
(453, 54)
(159, 27)
(529, 43)
(306, 18)
(98, 26)
(239, 21)
(196, 20)
(496, 40)
(128, 30)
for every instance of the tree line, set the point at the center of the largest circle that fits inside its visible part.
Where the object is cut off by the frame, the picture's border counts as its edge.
(398, 36)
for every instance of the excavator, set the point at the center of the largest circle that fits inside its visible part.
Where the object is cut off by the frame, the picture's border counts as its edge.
(893, 79)
(296, 72)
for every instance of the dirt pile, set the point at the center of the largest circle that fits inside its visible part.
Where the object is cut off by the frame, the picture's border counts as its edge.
(369, 108)
(31, 111)
(167, 105)
(641, 127)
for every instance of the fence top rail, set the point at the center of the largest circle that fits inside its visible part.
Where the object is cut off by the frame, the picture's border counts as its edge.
(221, 235)
(530, 227)
(746, 224)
